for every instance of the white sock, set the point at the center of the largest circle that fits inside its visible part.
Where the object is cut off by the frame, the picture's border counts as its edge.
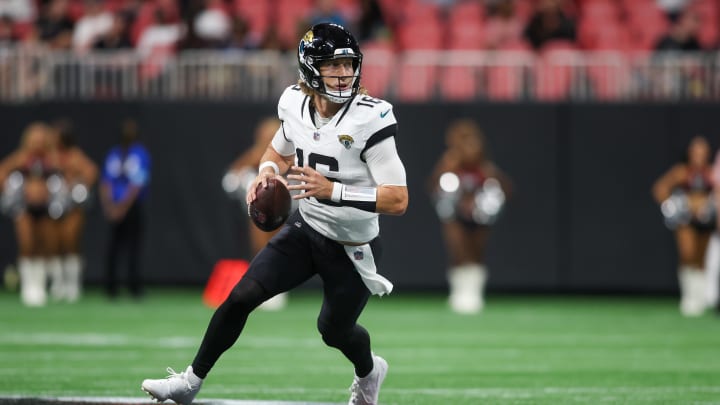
(712, 270)
(692, 290)
(55, 274)
(72, 270)
(33, 281)
(467, 283)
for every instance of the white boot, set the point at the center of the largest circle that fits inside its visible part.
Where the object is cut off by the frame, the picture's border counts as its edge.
(72, 270)
(712, 270)
(467, 284)
(179, 387)
(33, 281)
(55, 274)
(692, 291)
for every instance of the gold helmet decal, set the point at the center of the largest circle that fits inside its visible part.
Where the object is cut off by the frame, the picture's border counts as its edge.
(308, 36)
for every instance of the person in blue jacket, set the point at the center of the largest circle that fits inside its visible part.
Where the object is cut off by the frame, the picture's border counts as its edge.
(125, 180)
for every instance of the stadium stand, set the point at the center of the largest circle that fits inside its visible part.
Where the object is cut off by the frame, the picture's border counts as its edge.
(607, 60)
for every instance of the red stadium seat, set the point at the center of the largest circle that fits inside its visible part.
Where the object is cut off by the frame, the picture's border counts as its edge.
(378, 66)
(256, 15)
(466, 35)
(422, 35)
(463, 12)
(647, 24)
(600, 10)
(553, 72)
(458, 83)
(506, 80)
(416, 83)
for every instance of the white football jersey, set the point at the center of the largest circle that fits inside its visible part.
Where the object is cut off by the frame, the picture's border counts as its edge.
(336, 151)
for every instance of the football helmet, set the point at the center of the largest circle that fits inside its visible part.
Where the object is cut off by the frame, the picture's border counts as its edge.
(327, 41)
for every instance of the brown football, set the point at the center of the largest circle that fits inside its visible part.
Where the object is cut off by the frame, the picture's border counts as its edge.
(271, 208)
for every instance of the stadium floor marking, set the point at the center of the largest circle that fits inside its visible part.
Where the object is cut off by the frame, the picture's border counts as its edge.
(18, 400)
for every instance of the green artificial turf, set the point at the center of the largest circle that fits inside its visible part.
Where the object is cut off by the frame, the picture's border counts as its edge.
(528, 350)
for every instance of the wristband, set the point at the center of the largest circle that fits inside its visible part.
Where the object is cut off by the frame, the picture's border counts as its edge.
(337, 192)
(364, 198)
(269, 163)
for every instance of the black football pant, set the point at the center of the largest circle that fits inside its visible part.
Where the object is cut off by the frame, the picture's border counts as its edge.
(294, 255)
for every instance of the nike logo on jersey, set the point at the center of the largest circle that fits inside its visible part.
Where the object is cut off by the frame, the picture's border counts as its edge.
(383, 114)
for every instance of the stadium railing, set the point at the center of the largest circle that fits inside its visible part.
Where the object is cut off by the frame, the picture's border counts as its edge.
(28, 74)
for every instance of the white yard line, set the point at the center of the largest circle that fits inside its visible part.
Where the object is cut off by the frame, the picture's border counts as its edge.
(119, 340)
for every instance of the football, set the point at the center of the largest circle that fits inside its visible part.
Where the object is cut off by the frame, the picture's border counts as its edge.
(271, 208)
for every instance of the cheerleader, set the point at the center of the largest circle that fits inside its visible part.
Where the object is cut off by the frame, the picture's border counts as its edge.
(30, 184)
(80, 174)
(684, 195)
(469, 192)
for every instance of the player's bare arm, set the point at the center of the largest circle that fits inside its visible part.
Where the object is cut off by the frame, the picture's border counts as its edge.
(390, 200)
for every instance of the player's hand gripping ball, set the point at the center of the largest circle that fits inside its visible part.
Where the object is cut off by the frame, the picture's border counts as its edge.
(271, 208)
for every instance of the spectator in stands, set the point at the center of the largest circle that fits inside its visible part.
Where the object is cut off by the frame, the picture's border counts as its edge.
(21, 11)
(162, 34)
(672, 8)
(683, 192)
(469, 191)
(95, 23)
(549, 22)
(7, 34)
(271, 39)
(371, 25)
(683, 34)
(54, 26)
(325, 11)
(240, 36)
(503, 27)
(125, 179)
(212, 25)
(117, 37)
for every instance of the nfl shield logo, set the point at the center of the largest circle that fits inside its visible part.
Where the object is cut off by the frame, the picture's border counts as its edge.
(358, 254)
(316, 136)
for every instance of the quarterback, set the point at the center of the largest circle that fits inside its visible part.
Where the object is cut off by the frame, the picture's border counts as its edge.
(336, 145)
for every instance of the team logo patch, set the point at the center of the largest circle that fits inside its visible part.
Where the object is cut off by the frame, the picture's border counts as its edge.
(358, 254)
(346, 140)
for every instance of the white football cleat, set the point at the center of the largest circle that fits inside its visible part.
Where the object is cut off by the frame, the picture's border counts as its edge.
(179, 387)
(366, 390)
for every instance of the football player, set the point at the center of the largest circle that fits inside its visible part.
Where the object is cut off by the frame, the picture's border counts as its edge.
(28, 177)
(338, 142)
(684, 195)
(469, 192)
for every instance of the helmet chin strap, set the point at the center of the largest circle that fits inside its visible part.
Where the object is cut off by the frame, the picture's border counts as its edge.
(338, 96)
